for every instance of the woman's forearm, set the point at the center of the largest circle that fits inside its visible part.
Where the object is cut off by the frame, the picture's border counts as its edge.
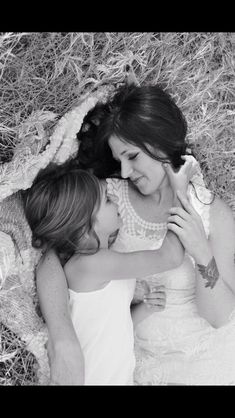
(53, 298)
(64, 350)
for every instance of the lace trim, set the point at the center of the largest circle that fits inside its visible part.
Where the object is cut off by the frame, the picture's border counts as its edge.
(151, 225)
(132, 223)
(135, 225)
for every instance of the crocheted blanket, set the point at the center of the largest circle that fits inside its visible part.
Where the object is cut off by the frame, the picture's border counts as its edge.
(18, 259)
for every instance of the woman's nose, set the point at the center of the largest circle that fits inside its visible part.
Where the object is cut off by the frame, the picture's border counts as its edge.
(126, 169)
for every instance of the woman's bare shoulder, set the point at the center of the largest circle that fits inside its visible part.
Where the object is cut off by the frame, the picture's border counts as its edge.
(221, 215)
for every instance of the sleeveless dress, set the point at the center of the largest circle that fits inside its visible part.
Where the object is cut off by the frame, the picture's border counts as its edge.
(176, 345)
(104, 328)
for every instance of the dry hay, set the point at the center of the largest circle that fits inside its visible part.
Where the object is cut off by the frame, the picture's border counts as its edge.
(44, 74)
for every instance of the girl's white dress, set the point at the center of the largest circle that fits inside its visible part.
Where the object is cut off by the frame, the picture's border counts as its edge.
(104, 327)
(176, 345)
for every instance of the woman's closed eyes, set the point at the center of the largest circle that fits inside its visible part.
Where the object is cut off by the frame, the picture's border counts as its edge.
(133, 157)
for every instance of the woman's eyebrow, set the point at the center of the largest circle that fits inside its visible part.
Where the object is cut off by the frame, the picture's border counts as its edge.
(126, 151)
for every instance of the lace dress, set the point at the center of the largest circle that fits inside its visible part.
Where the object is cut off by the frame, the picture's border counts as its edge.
(175, 346)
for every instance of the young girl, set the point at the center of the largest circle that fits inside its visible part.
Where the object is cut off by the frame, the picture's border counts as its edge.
(69, 210)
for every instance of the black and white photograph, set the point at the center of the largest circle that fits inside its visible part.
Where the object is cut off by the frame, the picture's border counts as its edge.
(117, 209)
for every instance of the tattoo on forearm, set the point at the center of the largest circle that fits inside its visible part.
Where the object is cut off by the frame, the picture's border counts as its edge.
(210, 273)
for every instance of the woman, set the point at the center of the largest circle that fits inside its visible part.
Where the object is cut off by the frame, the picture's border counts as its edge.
(139, 131)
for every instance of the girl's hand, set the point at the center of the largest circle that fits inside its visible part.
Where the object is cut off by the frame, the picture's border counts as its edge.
(155, 297)
(179, 180)
(187, 225)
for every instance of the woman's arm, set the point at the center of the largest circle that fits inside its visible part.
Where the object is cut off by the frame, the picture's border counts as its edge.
(222, 239)
(217, 304)
(214, 257)
(65, 354)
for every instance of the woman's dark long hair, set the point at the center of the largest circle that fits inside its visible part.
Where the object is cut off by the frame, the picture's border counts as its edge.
(140, 115)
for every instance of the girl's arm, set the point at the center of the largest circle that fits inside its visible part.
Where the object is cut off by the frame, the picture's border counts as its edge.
(65, 354)
(108, 265)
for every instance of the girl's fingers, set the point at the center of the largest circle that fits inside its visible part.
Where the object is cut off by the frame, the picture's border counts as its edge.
(156, 295)
(154, 303)
(146, 287)
(155, 308)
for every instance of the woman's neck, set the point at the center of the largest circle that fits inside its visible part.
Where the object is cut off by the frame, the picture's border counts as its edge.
(164, 192)
(153, 207)
(159, 196)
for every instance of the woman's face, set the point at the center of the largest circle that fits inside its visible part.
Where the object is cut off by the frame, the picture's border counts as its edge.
(147, 174)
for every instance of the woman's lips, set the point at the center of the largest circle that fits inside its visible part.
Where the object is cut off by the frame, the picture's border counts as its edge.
(137, 180)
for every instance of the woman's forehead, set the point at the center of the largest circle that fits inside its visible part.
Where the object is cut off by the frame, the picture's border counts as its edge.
(120, 146)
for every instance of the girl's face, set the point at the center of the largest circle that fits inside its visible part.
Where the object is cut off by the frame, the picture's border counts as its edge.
(147, 174)
(107, 219)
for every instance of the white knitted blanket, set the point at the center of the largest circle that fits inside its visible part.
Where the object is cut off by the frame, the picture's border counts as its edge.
(18, 259)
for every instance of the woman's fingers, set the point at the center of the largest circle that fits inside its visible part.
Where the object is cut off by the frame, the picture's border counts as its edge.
(185, 203)
(176, 229)
(180, 212)
(169, 169)
(177, 220)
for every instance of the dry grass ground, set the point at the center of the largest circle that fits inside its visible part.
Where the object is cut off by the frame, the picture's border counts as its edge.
(49, 71)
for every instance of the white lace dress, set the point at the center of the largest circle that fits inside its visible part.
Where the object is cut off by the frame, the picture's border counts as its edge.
(175, 346)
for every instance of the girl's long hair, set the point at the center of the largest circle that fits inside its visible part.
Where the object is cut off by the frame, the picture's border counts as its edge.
(60, 209)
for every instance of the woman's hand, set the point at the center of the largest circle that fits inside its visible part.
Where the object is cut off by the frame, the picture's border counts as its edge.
(179, 179)
(66, 364)
(187, 225)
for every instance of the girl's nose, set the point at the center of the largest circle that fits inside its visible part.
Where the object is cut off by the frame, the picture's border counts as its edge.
(126, 169)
